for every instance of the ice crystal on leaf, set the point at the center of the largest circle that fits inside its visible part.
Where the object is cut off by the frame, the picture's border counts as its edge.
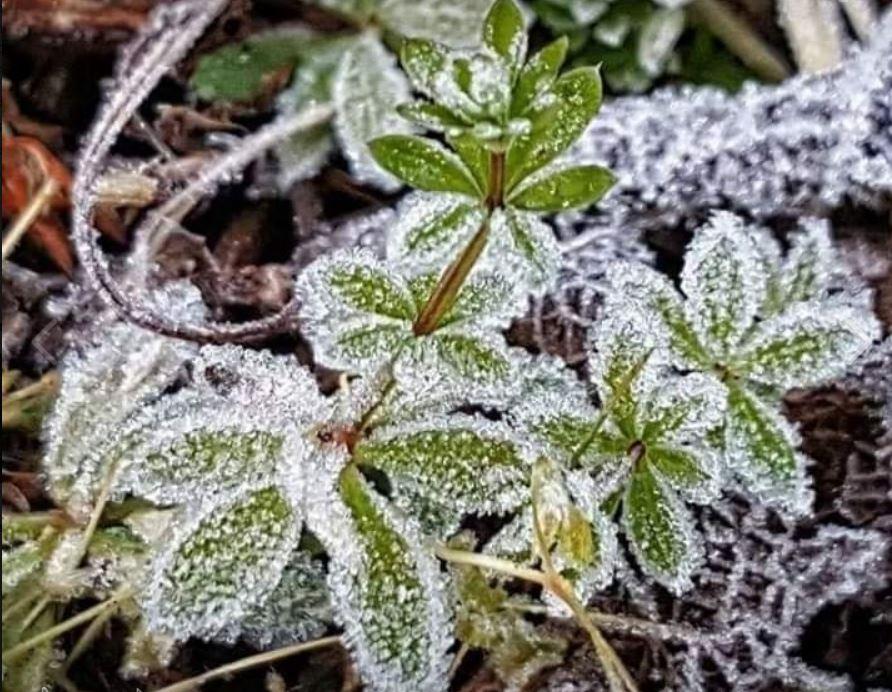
(362, 313)
(755, 324)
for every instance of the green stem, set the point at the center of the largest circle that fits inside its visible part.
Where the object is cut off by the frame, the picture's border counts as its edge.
(739, 38)
(250, 662)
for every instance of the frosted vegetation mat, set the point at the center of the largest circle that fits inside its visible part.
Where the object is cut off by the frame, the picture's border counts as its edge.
(595, 399)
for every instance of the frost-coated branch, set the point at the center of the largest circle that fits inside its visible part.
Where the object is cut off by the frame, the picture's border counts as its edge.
(170, 33)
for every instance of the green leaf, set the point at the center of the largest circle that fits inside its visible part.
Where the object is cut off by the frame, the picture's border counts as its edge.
(244, 71)
(482, 297)
(723, 282)
(531, 243)
(809, 264)
(486, 620)
(635, 287)
(806, 345)
(370, 289)
(423, 60)
(578, 96)
(221, 564)
(366, 90)
(424, 164)
(430, 228)
(659, 531)
(505, 33)
(570, 188)
(432, 116)
(370, 342)
(22, 562)
(469, 357)
(685, 470)
(389, 593)
(538, 75)
(473, 154)
(760, 447)
(464, 465)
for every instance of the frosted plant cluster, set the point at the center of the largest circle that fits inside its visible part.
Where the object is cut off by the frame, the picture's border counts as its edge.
(239, 465)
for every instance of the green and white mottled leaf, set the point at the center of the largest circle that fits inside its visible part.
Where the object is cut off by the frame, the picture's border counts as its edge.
(693, 472)
(807, 344)
(538, 75)
(564, 189)
(431, 228)
(760, 448)
(524, 246)
(431, 116)
(455, 23)
(682, 409)
(367, 87)
(244, 71)
(123, 369)
(484, 300)
(298, 609)
(474, 154)
(424, 164)
(21, 563)
(222, 563)
(660, 531)
(649, 296)
(387, 590)
(462, 356)
(724, 283)
(577, 97)
(425, 62)
(504, 31)
(809, 263)
(463, 463)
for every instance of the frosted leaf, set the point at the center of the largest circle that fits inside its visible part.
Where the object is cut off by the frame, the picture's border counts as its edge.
(21, 563)
(425, 164)
(809, 264)
(807, 344)
(645, 293)
(303, 155)
(387, 591)
(723, 282)
(121, 370)
(431, 228)
(504, 31)
(366, 89)
(760, 446)
(455, 23)
(298, 609)
(562, 189)
(221, 563)
(523, 246)
(683, 408)
(537, 76)
(693, 471)
(577, 96)
(466, 464)
(660, 531)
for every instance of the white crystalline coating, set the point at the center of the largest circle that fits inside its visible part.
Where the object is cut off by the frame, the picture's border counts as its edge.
(723, 281)
(298, 609)
(455, 23)
(466, 464)
(223, 558)
(102, 384)
(431, 228)
(808, 344)
(761, 585)
(523, 246)
(542, 374)
(814, 29)
(20, 563)
(397, 624)
(560, 421)
(145, 653)
(276, 385)
(366, 89)
(807, 270)
(762, 451)
(684, 408)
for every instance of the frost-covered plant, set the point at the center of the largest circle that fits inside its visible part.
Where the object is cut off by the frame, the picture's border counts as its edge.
(352, 70)
(756, 324)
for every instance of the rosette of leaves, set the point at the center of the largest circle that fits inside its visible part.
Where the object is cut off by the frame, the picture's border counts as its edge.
(638, 41)
(353, 70)
(505, 121)
(641, 456)
(756, 323)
